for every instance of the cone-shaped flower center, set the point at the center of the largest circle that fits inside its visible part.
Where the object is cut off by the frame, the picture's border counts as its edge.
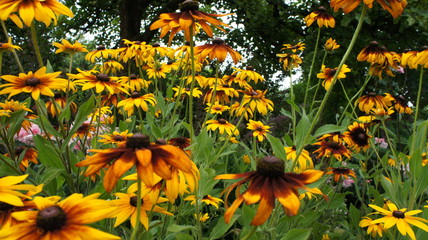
(118, 138)
(138, 140)
(133, 76)
(133, 201)
(218, 41)
(103, 77)
(135, 95)
(156, 45)
(189, 5)
(161, 141)
(270, 166)
(398, 214)
(222, 121)
(259, 128)
(51, 218)
(101, 47)
(251, 68)
(32, 82)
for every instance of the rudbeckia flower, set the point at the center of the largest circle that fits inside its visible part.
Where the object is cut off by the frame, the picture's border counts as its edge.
(207, 199)
(42, 10)
(59, 105)
(101, 52)
(328, 74)
(115, 137)
(8, 190)
(357, 137)
(38, 83)
(156, 70)
(322, 17)
(294, 48)
(99, 81)
(186, 91)
(149, 159)
(126, 207)
(331, 45)
(14, 106)
(181, 142)
(223, 94)
(259, 129)
(222, 126)
(247, 74)
(289, 60)
(400, 103)
(373, 229)
(408, 58)
(341, 172)
(217, 50)
(376, 54)
(332, 148)
(188, 18)
(66, 219)
(400, 218)
(216, 108)
(237, 110)
(394, 7)
(67, 47)
(137, 100)
(29, 155)
(304, 161)
(372, 100)
(111, 67)
(267, 183)
(422, 58)
(8, 46)
(256, 101)
(134, 83)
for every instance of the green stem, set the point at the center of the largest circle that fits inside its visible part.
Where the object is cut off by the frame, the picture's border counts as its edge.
(312, 67)
(418, 100)
(388, 139)
(213, 96)
(250, 234)
(15, 55)
(358, 94)
(36, 44)
(318, 85)
(327, 94)
(135, 232)
(192, 85)
(1, 61)
(293, 110)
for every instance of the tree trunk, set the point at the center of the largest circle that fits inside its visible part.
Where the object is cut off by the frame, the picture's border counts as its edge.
(131, 14)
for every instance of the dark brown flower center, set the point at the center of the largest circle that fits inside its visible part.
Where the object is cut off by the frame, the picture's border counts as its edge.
(218, 41)
(119, 138)
(103, 77)
(51, 218)
(259, 128)
(359, 136)
(341, 171)
(135, 95)
(1, 44)
(161, 141)
(251, 68)
(137, 42)
(138, 140)
(270, 166)
(156, 45)
(189, 5)
(101, 47)
(133, 201)
(222, 121)
(32, 82)
(398, 214)
(133, 76)
(5, 207)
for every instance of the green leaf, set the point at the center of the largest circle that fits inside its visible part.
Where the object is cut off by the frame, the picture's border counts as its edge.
(328, 128)
(221, 228)
(174, 228)
(47, 153)
(277, 147)
(297, 234)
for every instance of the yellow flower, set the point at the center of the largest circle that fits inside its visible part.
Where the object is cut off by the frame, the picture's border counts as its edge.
(322, 17)
(331, 45)
(223, 126)
(202, 217)
(246, 159)
(216, 108)
(375, 229)
(99, 81)
(408, 59)
(247, 75)
(137, 100)
(66, 219)
(341, 172)
(328, 74)
(8, 187)
(256, 101)
(134, 83)
(186, 91)
(400, 103)
(14, 106)
(372, 100)
(115, 137)
(8, 47)
(111, 66)
(394, 7)
(260, 130)
(207, 199)
(400, 218)
(357, 137)
(217, 50)
(67, 47)
(42, 10)
(422, 58)
(36, 83)
(58, 104)
(289, 60)
(305, 161)
(298, 47)
(101, 52)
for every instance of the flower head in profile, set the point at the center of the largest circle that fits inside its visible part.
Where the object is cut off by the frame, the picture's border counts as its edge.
(401, 218)
(207, 199)
(373, 229)
(372, 100)
(267, 183)
(67, 47)
(408, 58)
(222, 126)
(115, 137)
(216, 108)
(66, 219)
(42, 10)
(259, 129)
(137, 100)
(134, 83)
(328, 74)
(248, 74)
(422, 57)
(256, 101)
(289, 60)
(217, 50)
(357, 137)
(99, 81)
(294, 48)
(58, 104)
(341, 173)
(38, 83)
(189, 20)
(304, 161)
(126, 207)
(8, 46)
(376, 54)
(149, 159)
(400, 103)
(322, 17)
(332, 148)
(331, 45)
(394, 7)
(100, 52)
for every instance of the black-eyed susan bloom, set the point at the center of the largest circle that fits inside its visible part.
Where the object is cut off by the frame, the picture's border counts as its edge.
(100, 52)
(10, 187)
(216, 108)
(223, 126)
(400, 103)
(8, 46)
(394, 7)
(247, 74)
(331, 45)
(115, 137)
(372, 100)
(376, 54)
(294, 48)
(134, 83)
(38, 83)
(408, 58)
(341, 173)
(422, 58)
(322, 17)
(149, 159)
(304, 160)
(207, 199)
(217, 50)
(256, 101)
(44, 11)
(373, 229)
(99, 81)
(58, 103)
(401, 218)
(126, 208)
(139, 101)
(328, 74)
(66, 47)
(188, 18)
(267, 183)
(332, 148)
(289, 60)
(259, 129)
(357, 137)
(66, 219)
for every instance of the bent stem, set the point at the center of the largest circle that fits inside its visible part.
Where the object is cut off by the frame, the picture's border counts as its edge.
(36, 45)
(250, 234)
(15, 55)
(327, 94)
(312, 67)
(418, 100)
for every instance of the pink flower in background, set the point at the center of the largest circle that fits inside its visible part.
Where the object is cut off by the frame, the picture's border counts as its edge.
(348, 182)
(26, 136)
(382, 143)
